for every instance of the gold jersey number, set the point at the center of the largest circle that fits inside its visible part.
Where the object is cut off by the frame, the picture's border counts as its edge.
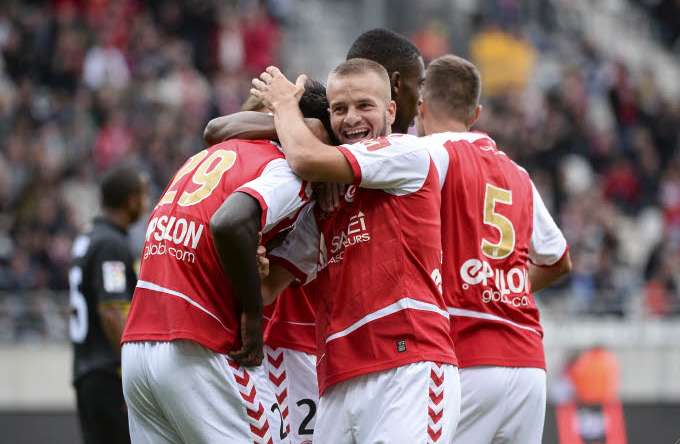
(506, 244)
(209, 172)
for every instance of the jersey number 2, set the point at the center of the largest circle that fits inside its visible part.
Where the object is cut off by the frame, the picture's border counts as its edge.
(207, 176)
(506, 243)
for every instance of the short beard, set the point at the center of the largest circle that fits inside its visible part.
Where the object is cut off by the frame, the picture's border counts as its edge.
(384, 128)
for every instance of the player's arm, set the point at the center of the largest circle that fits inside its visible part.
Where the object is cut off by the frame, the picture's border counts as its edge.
(544, 276)
(112, 269)
(310, 158)
(113, 316)
(296, 258)
(235, 227)
(548, 250)
(398, 164)
(251, 125)
(274, 279)
(273, 285)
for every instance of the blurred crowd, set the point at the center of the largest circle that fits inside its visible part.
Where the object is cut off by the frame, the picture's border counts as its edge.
(602, 143)
(666, 14)
(86, 84)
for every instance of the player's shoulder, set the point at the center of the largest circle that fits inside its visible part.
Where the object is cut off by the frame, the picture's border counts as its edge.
(391, 142)
(104, 236)
(244, 144)
(454, 140)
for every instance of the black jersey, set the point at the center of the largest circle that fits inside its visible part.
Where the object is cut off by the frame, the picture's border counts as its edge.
(101, 272)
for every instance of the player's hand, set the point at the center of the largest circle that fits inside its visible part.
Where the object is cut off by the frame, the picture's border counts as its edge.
(251, 353)
(262, 262)
(329, 195)
(273, 88)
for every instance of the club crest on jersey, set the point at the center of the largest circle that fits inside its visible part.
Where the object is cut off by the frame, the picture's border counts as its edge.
(350, 193)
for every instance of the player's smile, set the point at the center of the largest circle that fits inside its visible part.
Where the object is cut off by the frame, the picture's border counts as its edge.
(353, 135)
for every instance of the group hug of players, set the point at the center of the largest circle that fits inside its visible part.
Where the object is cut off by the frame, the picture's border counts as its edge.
(394, 296)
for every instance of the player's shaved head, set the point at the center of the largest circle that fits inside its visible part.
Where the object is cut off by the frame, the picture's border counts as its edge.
(452, 88)
(362, 67)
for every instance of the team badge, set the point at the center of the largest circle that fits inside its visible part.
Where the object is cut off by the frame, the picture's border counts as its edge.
(113, 273)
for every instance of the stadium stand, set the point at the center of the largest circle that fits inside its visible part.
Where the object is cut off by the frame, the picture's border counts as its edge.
(588, 102)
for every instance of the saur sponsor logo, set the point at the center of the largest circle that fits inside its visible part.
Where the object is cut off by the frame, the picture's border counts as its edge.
(355, 233)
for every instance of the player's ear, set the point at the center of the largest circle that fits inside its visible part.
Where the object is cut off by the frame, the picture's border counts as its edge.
(391, 112)
(395, 84)
(422, 108)
(475, 116)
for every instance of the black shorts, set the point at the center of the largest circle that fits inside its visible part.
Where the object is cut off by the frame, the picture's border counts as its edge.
(101, 408)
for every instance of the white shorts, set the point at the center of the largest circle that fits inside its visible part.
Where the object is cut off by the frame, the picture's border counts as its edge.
(415, 403)
(501, 405)
(180, 392)
(292, 375)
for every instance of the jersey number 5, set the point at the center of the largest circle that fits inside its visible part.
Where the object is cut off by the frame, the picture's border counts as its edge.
(207, 176)
(506, 243)
(78, 323)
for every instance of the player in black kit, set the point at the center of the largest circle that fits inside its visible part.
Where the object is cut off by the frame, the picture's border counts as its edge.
(102, 280)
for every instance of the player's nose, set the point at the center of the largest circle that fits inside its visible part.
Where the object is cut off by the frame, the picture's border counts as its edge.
(352, 117)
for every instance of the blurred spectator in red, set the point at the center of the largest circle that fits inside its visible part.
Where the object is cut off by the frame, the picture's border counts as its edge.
(621, 185)
(432, 40)
(113, 142)
(260, 38)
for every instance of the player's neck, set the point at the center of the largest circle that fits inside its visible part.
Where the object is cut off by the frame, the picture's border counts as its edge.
(446, 125)
(117, 218)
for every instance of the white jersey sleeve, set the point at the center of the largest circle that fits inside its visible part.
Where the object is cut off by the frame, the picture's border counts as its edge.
(548, 244)
(279, 191)
(397, 164)
(300, 251)
(440, 157)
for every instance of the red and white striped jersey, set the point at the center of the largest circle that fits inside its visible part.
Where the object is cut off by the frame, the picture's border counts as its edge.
(377, 259)
(182, 292)
(493, 224)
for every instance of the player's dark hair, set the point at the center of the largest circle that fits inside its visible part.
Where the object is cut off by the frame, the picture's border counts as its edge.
(393, 51)
(118, 184)
(452, 87)
(314, 104)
